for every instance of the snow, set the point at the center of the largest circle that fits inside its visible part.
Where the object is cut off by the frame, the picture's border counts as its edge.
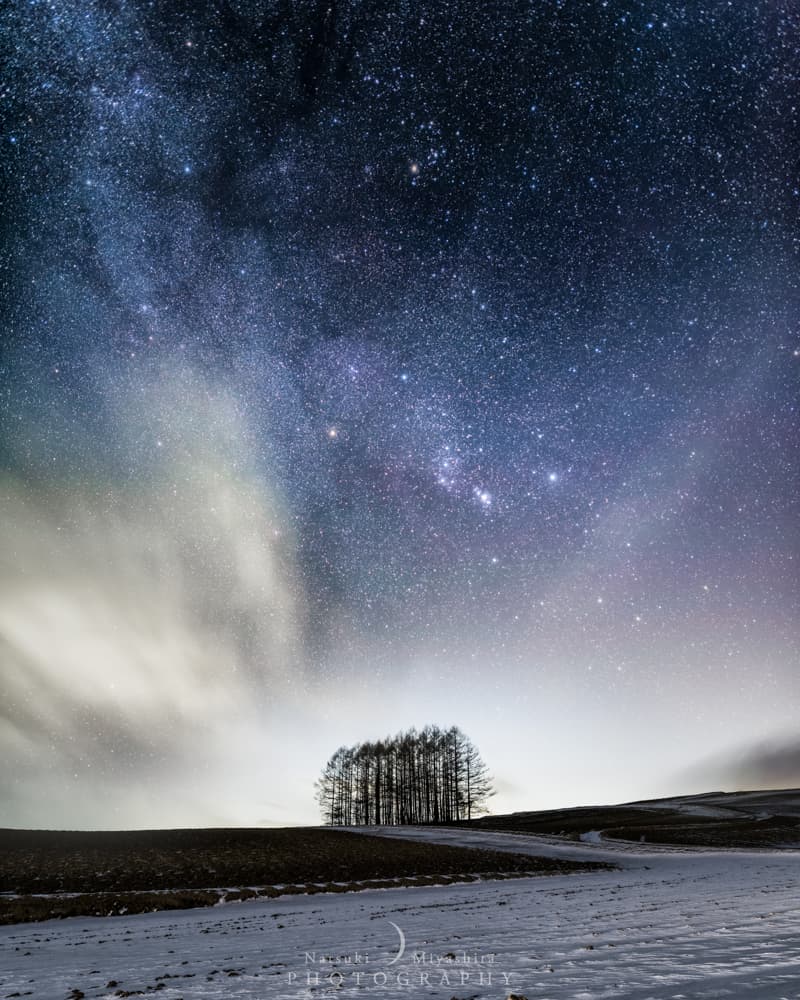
(727, 805)
(668, 925)
(691, 809)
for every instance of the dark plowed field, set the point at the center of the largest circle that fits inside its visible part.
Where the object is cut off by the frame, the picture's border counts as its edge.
(165, 869)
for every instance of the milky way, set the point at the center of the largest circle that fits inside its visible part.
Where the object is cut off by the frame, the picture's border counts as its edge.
(370, 365)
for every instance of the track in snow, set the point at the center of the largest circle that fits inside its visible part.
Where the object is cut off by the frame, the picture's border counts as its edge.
(667, 926)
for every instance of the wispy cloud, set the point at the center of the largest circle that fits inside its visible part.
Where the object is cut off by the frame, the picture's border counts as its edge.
(135, 615)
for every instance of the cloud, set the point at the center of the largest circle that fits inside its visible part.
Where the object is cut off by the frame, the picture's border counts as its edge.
(769, 765)
(140, 613)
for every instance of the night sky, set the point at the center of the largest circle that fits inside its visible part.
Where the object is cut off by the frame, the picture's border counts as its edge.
(366, 365)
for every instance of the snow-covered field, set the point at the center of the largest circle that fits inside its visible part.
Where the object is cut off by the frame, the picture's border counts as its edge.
(682, 925)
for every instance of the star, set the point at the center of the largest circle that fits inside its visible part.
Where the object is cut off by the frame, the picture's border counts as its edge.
(392, 351)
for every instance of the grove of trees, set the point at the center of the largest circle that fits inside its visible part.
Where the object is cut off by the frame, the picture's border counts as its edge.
(430, 776)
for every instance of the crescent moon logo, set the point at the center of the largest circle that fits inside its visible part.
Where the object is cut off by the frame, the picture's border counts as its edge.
(401, 952)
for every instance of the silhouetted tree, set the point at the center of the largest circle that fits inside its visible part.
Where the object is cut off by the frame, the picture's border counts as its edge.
(431, 776)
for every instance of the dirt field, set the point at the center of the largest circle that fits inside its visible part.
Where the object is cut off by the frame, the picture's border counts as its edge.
(47, 874)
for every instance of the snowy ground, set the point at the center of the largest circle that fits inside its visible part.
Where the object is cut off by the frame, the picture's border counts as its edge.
(731, 805)
(681, 925)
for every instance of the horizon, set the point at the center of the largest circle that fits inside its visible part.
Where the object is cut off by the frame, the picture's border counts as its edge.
(366, 826)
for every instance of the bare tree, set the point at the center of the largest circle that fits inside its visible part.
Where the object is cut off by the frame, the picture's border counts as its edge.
(430, 776)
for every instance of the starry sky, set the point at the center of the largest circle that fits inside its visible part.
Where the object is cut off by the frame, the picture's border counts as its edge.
(371, 364)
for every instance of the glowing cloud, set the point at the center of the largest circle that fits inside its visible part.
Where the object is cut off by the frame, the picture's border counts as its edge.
(135, 617)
